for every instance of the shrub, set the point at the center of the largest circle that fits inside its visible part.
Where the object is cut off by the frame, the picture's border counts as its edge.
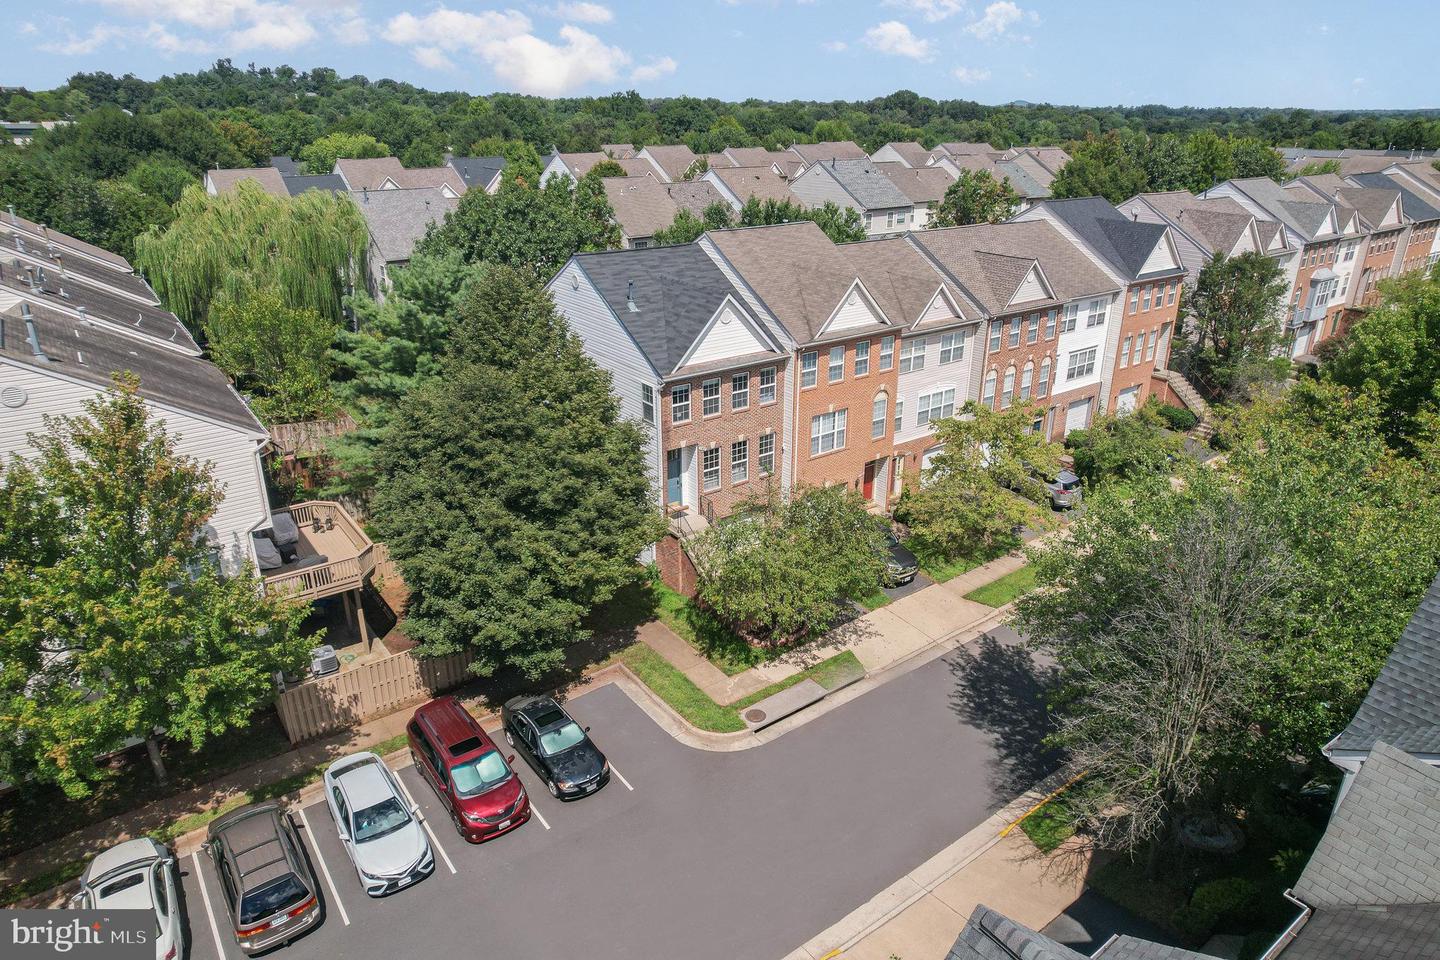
(1227, 900)
(1177, 418)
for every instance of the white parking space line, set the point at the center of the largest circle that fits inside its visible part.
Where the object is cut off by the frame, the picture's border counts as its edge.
(209, 911)
(538, 815)
(424, 822)
(320, 859)
(616, 770)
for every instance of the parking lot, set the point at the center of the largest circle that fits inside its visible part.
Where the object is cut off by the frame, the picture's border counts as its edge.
(685, 852)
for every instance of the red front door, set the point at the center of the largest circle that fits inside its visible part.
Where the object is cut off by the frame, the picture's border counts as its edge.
(868, 489)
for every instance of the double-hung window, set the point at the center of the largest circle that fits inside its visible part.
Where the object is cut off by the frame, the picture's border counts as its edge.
(887, 353)
(1125, 353)
(912, 354)
(710, 468)
(1135, 300)
(1007, 392)
(827, 432)
(878, 415)
(996, 326)
(765, 456)
(1050, 317)
(952, 347)
(1072, 314)
(1042, 386)
(899, 413)
(809, 361)
(740, 461)
(710, 397)
(647, 403)
(1081, 363)
(1032, 332)
(680, 403)
(739, 391)
(1026, 376)
(835, 370)
(987, 395)
(862, 358)
(935, 406)
(1014, 338)
(1145, 301)
(1150, 344)
(767, 385)
(1170, 293)
(1098, 311)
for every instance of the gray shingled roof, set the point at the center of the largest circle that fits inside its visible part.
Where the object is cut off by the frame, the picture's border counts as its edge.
(901, 278)
(676, 291)
(1382, 845)
(1123, 243)
(641, 205)
(1408, 932)
(1126, 947)
(268, 178)
(42, 232)
(17, 244)
(166, 376)
(398, 219)
(871, 189)
(477, 171)
(1412, 204)
(326, 181)
(287, 166)
(1371, 203)
(1403, 705)
(694, 195)
(989, 935)
(69, 293)
(829, 150)
(1021, 179)
(1304, 218)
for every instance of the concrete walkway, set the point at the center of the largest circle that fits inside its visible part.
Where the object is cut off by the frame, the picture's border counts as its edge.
(878, 638)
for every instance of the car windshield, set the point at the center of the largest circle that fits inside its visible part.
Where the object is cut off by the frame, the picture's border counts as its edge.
(478, 775)
(270, 899)
(561, 739)
(382, 818)
(1068, 485)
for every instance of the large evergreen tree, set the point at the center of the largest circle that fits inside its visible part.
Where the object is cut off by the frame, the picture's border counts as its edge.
(511, 493)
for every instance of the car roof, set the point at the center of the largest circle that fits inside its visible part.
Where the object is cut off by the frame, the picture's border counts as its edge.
(1065, 476)
(364, 782)
(136, 896)
(252, 844)
(537, 707)
(138, 851)
(450, 723)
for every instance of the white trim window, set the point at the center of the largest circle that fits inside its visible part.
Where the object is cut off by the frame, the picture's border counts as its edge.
(710, 468)
(680, 403)
(710, 397)
(1027, 375)
(835, 369)
(879, 413)
(1099, 310)
(887, 353)
(912, 354)
(862, 357)
(767, 385)
(809, 368)
(1007, 390)
(1124, 353)
(739, 391)
(827, 432)
(765, 454)
(1072, 316)
(935, 406)
(1134, 299)
(739, 461)
(647, 403)
(987, 395)
(1051, 316)
(1014, 338)
(1150, 344)
(899, 414)
(1173, 284)
(952, 346)
(1081, 363)
(1042, 386)
(996, 326)
(1032, 331)
(1145, 301)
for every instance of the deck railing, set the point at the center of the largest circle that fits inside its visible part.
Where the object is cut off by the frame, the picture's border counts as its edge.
(338, 575)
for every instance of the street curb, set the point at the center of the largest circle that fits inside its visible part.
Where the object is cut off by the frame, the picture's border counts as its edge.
(919, 882)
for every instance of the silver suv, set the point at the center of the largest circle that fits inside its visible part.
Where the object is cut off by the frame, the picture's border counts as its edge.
(137, 875)
(265, 879)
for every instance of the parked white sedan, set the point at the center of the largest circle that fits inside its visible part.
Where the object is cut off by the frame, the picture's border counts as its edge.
(379, 828)
(137, 875)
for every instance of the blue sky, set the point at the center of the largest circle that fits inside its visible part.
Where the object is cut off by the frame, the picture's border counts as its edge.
(1357, 53)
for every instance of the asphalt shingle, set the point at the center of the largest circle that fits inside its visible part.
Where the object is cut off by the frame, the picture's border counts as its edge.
(1123, 243)
(398, 219)
(871, 189)
(989, 935)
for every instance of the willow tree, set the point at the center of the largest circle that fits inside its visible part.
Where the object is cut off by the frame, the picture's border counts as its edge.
(309, 250)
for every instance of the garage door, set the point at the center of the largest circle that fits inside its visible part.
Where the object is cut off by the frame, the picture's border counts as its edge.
(1077, 415)
(1125, 402)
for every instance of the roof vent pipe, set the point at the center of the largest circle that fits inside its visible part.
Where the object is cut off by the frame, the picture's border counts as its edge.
(32, 334)
(630, 297)
(13, 219)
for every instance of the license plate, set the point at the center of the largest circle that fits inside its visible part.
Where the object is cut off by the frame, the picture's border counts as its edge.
(502, 825)
(589, 787)
(406, 881)
(281, 922)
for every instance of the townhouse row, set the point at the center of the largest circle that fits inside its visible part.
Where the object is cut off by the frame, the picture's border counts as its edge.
(772, 355)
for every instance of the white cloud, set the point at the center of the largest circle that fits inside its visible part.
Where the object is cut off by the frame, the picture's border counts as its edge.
(432, 58)
(155, 36)
(279, 28)
(78, 45)
(970, 75)
(998, 19)
(894, 37)
(654, 70)
(835, 46)
(243, 24)
(582, 11)
(1357, 83)
(28, 28)
(932, 10)
(455, 29)
(352, 32)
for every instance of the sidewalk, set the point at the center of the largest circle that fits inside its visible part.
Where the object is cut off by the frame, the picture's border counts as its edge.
(878, 639)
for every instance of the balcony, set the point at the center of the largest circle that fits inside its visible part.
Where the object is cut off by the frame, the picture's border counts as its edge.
(333, 554)
(1303, 315)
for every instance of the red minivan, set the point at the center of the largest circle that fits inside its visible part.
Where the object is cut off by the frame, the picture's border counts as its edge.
(469, 775)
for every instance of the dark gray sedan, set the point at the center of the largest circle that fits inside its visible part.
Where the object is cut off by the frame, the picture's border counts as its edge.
(555, 746)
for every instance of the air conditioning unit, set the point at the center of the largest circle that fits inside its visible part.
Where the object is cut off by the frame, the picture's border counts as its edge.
(323, 661)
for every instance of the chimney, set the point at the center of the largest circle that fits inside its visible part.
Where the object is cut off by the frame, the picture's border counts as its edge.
(630, 297)
(32, 334)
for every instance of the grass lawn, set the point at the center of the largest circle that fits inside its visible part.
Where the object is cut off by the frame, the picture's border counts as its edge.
(1050, 826)
(877, 599)
(997, 593)
(706, 633)
(688, 700)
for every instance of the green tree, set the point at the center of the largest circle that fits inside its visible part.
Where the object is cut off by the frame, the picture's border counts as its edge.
(1167, 164)
(685, 228)
(781, 569)
(1227, 348)
(1210, 159)
(279, 355)
(826, 131)
(522, 162)
(1317, 168)
(1254, 157)
(310, 249)
(510, 527)
(966, 504)
(163, 179)
(1101, 167)
(976, 197)
(320, 156)
(116, 622)
(607, 168)
(841, 225)
(1123, 447)
(252, 146)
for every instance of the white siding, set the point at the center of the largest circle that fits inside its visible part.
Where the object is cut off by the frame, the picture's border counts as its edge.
(730, 196)
(854, 311)
(610, 345)
(235, 455)
(888, 154)
(1081, 338)
(729, 336)
(939, 309)
(1031, 288)
(1161, 258)
(816, 186)
(556, 167)
(932, 377)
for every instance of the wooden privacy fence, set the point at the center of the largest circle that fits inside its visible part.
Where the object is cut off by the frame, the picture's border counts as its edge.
(326, 704)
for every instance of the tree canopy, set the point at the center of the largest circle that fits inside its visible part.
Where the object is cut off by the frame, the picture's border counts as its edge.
(976, 197)
(277, 354)
(1228, 346)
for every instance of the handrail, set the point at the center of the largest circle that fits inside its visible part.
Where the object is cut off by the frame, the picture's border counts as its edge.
(344, 573)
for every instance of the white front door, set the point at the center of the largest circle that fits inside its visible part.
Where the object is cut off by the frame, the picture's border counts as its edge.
(1125, 402)
(1077, 415)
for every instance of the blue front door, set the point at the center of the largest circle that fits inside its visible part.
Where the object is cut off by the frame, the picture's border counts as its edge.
(674, 482)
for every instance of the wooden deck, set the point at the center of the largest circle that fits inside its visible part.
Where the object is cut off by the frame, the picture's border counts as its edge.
(326, 529)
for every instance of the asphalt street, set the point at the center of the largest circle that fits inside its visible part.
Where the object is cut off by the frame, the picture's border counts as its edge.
(695, 854)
